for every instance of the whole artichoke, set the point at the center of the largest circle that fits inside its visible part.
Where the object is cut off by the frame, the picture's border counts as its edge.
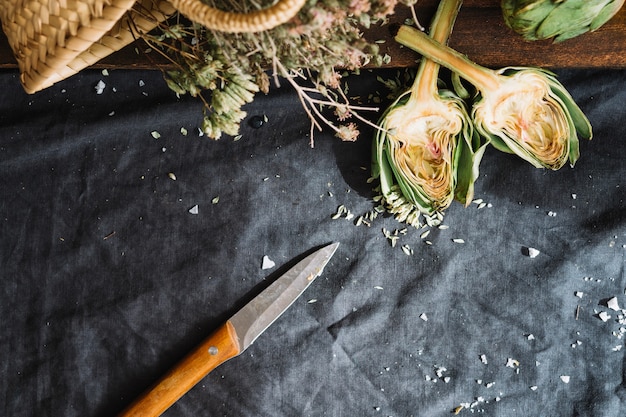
(557, 19)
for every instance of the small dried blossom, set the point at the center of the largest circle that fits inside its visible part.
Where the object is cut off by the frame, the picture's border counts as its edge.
(343, 113)
(348, 132)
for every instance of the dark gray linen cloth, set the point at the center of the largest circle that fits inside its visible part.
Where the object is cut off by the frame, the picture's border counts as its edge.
(108, 279)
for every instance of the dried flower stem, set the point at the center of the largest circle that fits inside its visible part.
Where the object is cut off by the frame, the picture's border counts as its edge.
(310, 104)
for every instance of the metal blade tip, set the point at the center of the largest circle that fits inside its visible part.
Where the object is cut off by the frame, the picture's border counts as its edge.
(263, 310)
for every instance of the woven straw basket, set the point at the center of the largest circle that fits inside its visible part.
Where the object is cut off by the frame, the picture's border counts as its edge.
(55, 39)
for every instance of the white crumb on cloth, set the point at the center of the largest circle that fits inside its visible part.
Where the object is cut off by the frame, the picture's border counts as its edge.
(267, 263)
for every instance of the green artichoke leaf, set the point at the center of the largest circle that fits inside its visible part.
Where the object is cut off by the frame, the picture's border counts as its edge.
(469, 154)
(606, 14)
(579, 123)
(569, 19)
(580, 120)
(381, 166)
(524, 16)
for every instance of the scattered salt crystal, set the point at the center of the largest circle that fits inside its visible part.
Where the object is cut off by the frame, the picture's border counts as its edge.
(533, 388)
(183, 131)
(579, 294)
(378, 287)
(574, 196)
(613, 304)
(530, 252)
(172, 176)
(530, 336)
(141, 83)
(565, 378)
(155, 134)
(458, 240)
(617, 348)
(267, 263)
(512, 363)
(100, 87)
(604, 316)
(105, 72)
(552, 214)
(194, 209)
(483, 359)
(424, 317)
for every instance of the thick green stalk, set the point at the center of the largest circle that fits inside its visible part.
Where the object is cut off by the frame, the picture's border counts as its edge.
(484, 79)
(425, 84)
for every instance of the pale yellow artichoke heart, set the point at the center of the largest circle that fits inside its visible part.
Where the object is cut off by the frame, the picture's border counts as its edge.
(526, 115)
(422, 138)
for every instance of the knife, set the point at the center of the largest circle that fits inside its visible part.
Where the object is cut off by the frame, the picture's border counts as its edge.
(232, 337)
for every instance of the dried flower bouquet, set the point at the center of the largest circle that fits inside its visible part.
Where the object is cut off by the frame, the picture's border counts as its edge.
(309, 51)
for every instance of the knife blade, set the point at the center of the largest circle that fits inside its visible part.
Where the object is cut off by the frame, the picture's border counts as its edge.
(233, 337)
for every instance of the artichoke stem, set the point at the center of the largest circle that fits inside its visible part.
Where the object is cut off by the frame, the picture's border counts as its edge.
(425, 84)
(484, 79)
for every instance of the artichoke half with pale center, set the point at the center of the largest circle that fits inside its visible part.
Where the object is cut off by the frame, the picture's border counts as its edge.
(426, 144)
(557, 19)
(420, 147)
(534, 117)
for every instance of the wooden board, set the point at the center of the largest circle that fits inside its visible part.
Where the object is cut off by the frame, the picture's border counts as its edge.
(480, 33)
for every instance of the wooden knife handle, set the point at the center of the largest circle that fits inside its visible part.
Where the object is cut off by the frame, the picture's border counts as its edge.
(215, 350)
